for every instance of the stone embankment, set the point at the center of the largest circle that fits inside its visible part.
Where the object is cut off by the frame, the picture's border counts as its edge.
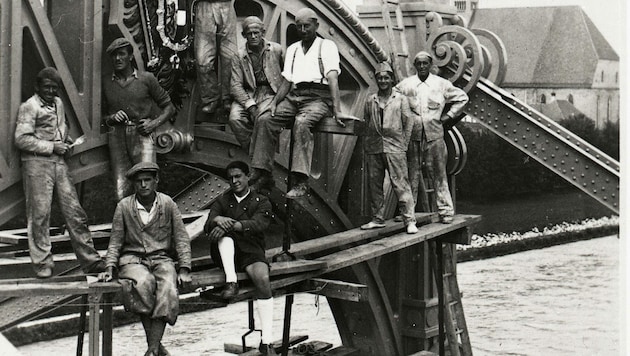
(499, 244)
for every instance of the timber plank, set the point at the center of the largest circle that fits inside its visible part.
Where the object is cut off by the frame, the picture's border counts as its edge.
(362, 253)
(350, 236)
(216, 276)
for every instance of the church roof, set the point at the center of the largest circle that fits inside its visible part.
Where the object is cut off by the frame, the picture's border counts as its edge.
(547, 46)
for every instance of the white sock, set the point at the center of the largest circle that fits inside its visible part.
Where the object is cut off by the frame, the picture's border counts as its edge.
(226, 249)
(265, 312)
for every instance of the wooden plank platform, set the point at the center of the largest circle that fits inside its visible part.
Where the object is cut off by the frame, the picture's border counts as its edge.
(372, 249)
(216, 276)
(18, 237)
(347, 237)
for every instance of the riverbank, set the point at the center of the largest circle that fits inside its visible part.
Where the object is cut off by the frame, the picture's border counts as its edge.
(499, 244)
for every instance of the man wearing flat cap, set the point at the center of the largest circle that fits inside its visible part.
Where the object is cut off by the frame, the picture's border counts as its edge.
(148, 240)
(388, 121)
(42, 136)
(215, 34)
(429, 95)
(311, 70)
(134, 106)
(256, 78)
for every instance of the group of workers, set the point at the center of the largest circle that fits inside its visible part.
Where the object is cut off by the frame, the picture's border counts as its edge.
(270, 90)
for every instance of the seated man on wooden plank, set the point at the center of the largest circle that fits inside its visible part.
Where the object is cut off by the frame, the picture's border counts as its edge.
(148, 238)
(237, 222)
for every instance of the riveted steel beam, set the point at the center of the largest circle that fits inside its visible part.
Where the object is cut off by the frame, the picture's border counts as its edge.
(555, 147)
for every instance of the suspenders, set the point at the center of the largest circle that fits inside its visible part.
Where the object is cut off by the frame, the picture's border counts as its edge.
(319, 60)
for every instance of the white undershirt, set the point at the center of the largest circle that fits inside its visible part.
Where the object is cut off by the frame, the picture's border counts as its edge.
(146, 216)
(240, 199)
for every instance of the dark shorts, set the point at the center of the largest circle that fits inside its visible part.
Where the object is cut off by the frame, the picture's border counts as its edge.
(247, 251)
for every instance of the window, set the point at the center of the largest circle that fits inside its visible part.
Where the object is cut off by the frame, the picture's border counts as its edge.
(543, 99)
(602, 76)
(570, 98)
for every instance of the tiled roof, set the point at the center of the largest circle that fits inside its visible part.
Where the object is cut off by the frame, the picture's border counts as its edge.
(547, 46)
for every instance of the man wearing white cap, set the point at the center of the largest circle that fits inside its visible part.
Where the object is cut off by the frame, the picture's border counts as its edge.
(148, 238)
(312, 66)
(256, 78)
(388, 121)
(429, 94)
(134, 105)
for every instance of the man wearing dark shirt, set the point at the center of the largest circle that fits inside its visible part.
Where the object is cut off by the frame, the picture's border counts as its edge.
(135, 106)
(236, 223)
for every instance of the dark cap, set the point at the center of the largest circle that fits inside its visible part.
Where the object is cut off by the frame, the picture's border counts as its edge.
(116, 44)
(142, 167)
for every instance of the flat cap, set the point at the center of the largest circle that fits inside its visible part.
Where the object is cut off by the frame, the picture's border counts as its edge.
(383, 67)
(252, 20)
(120, 42)
(421, 55)
(142, 167)
(305, 14)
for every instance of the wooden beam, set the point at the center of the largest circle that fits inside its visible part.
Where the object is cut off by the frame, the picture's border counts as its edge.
(216, 276)
(347, 237)
(238, 349)
(334, 289)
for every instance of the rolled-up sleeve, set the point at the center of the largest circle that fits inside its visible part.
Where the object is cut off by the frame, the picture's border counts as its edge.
(330, 57)
(457, 97)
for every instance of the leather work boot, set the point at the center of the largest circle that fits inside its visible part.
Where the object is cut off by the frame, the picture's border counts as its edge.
(446, 219)
(267, 349)
(372, 225)
(230, 290)
(97, 267)
(298, 190)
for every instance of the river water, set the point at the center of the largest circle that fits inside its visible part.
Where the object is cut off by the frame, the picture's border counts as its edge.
(562, 300)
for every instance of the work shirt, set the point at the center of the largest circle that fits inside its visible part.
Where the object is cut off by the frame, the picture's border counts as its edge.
(300, 67)
(244, 80)
(140, 96)
(428, 99)
(163, 235)
(38, 126)
(388, 124)
(253, 212)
